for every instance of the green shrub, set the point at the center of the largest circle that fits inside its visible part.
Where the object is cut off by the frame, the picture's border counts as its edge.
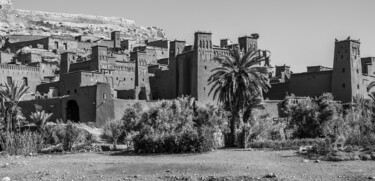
(174, 127)
(70, 135)
(308, 116)
(286, 144)
(21, 143)
(114, 129)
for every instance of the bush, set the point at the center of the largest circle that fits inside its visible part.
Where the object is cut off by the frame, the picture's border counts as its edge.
(286, 144)
(174, 127)
(69, 135)
(23, 143)
(308, 116)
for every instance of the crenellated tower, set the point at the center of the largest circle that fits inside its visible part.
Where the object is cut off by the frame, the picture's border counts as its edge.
(248, 42)
(201, 66)
(347, 71)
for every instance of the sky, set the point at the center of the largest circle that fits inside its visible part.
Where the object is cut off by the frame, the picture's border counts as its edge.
(299, 33)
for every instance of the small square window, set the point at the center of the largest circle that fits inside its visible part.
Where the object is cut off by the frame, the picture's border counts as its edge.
(343, 85)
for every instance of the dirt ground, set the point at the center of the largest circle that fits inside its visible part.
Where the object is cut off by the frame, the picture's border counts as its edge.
(232, 163)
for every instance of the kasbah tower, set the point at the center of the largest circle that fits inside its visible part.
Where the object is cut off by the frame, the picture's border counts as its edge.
(202, 64)
(347, 79)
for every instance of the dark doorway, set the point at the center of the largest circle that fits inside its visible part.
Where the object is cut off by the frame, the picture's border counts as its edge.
(142, 94)
(72, 111)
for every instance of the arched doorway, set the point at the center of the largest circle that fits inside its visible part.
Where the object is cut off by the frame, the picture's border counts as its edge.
(72, 111)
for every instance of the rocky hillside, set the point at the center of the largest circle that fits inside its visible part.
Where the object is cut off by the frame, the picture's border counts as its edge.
(23, 22)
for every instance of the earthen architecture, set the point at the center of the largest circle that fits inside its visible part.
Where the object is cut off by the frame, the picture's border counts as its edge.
(348, 78)
(91, 79)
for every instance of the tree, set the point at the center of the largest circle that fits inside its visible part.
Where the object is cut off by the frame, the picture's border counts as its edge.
(10, 95)
(238, 80)
(40, 119)
(114, 129)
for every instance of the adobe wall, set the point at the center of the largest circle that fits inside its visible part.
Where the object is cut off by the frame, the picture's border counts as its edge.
(21, 38)
(71, 44)
(39, 43)
(312, 84)
(93, 107)
(277, 91)
(163, 84)
(271, 108)
(44, 87)
(104, 107)
(184, 74)
(29, 58)
(53, 105)
(6, 57)
(159, 43)
(19, 72)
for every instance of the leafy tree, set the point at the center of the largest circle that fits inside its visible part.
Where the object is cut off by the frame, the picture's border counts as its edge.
(114, 129)
(239, 79)
(10, 95)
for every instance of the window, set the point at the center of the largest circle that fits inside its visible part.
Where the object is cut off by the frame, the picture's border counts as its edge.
(104, 96)
(75, 91)
(342, 56)
(9, 80)
(68, 92)
(1, 7)
(357, 86)
(343, 70)
(24, 81)
(65, 46)
(205, 67)
(343, 85)
(357, 71)
(56, 45)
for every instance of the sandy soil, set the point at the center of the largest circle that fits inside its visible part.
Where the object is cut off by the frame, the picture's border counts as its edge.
(126, 166)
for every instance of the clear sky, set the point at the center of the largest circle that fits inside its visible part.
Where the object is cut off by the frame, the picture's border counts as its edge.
(299, 33)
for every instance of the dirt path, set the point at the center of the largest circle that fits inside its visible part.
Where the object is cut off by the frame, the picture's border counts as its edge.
(114, 166)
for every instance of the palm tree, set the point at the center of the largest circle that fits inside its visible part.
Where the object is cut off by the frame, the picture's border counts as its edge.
(10, 95)
(40, 118)
(237, 81)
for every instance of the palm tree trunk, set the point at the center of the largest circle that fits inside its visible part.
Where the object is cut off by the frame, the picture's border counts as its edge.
(233, 125)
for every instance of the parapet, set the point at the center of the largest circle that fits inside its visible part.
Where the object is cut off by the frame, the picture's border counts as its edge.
(19, 67)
